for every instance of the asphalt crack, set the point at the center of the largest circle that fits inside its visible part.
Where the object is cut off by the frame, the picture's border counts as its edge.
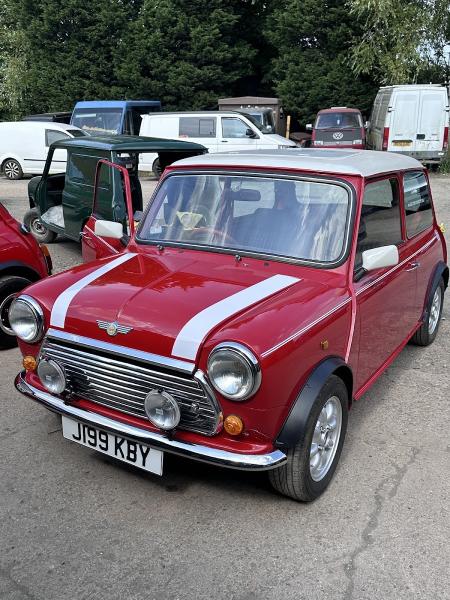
(386, 489)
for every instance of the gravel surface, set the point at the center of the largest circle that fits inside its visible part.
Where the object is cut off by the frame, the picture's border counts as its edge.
(76, 525)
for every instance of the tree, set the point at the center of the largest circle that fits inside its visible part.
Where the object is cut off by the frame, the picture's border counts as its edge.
(186, 53)
(311, 70)
(12, 59)
(71, 48)
(402, 39)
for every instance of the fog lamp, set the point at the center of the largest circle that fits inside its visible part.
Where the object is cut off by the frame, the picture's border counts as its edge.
(52, 376)
(162, 410)
(233, 425)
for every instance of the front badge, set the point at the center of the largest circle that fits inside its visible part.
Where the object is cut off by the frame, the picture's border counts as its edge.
(113, 328)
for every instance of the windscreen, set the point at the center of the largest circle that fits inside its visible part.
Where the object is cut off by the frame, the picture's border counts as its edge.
(304, 220)
(339, 120)
(98, 121)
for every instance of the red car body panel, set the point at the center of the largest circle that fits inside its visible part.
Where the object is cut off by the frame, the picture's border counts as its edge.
(19, 252)
(325, 314)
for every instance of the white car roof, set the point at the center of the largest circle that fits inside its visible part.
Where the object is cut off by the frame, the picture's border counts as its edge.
(24, 125)
(364, 163)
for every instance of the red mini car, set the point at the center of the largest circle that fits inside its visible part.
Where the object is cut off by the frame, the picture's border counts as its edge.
(261, 294)
(338, 127)
(22, 262)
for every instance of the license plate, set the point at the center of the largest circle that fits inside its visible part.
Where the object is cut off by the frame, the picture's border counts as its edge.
(133, 453)
(402, 143)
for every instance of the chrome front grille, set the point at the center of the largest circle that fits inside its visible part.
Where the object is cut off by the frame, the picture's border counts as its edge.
(122, 383)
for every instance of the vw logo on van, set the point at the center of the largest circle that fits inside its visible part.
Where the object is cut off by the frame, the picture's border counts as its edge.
(338, 135)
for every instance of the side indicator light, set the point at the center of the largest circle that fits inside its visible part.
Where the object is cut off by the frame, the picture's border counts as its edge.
(29, 363)
(233, 425)
(442, 227)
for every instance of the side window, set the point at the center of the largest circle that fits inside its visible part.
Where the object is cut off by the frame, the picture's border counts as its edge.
(233, 127)
(419, 214)
(197, 127)
(53, 135)
(380, 223)
(81, 171)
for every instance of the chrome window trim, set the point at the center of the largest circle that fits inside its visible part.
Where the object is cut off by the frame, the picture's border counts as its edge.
(146, 357)
(254, 254)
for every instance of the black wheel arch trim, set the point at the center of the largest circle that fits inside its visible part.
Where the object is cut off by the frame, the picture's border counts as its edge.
(295, 426)
(440, 271)
(10, 267)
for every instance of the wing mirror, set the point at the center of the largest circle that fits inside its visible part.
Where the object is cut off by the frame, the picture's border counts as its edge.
(309, 127)
(250, 133)
(379, 258)
(367, 125)
(108, 229)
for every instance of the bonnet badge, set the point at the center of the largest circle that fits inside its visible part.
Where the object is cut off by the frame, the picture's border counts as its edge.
(113, 328)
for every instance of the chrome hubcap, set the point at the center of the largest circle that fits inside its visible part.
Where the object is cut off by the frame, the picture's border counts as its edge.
(11, 170)
(325, 439)
(435, 311)
(37, 227)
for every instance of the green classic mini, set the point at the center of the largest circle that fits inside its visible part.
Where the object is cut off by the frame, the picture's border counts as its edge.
(62, 203)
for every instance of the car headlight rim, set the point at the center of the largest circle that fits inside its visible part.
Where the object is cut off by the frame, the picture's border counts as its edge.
(59, 382)
(37, 314)
(248, 359)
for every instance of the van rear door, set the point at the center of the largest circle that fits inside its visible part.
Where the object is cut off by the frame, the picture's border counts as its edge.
(431, 122)
(403, 125)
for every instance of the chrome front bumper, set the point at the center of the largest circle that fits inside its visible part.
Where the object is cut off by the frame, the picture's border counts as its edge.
(221, 458)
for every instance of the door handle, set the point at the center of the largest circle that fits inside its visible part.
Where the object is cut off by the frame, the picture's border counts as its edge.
(413, 265)
(225, 141)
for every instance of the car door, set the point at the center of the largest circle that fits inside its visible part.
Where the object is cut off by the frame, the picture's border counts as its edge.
(419, 231)
(385, 298)
(111, 202)
(235, 135)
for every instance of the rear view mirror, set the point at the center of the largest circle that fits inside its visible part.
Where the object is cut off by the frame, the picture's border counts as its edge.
(108, 229)
(379, 258)
(309, 127)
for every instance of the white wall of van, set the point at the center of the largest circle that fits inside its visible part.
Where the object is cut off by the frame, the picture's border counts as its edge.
(219, 131)
(411, 119)
(24, 146)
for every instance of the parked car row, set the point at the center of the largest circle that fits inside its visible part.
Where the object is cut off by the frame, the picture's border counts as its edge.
(238, 318)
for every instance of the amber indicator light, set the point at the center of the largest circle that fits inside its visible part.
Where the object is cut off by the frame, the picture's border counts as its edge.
(233, 425)
(29, 363)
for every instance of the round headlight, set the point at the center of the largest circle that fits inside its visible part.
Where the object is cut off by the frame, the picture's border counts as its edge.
(26, 319)
(162, 410)
(52, 376)
(234, 371)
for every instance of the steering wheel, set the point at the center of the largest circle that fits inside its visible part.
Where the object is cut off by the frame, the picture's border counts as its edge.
(215, 232)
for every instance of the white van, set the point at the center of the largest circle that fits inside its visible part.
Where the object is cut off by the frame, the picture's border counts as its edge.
(411, 119)
(219, 131)
(24, 147)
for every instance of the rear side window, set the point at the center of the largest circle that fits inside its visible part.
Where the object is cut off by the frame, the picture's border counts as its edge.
(380, 223)
(81, 171)
(419, 213)
(53, 135)
(197, 127)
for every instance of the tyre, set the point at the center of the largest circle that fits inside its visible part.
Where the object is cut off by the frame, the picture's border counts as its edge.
(311, 463)
(156, 168)
(12, 169)
(9, 286)
(429, 328)
(39, 231)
